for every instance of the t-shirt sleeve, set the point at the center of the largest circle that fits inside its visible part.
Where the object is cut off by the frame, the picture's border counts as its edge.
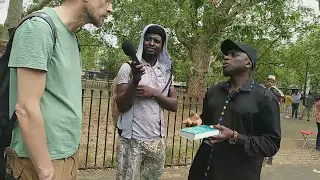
(124, 74)
(32, 45)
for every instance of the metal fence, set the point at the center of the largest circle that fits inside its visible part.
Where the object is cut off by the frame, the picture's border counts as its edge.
(99, 135)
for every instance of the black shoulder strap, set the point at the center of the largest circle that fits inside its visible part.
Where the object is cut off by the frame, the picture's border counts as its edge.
(170, 79)
(42, 15)
(78, 43)
(45, 17)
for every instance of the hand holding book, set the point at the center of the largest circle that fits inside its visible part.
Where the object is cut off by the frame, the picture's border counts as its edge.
(217, 133)
(225, 134)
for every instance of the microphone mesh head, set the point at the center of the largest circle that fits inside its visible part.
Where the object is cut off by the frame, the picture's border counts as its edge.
(128, 48)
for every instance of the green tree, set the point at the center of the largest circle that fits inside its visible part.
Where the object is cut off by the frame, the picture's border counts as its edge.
(110, 60)
(197, 27)
(90, 45)
(15, 13)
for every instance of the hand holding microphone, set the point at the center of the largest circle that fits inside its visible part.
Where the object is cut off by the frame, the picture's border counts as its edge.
(137, 69)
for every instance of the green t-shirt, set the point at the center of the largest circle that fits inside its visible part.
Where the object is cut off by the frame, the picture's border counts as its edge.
(61, 105)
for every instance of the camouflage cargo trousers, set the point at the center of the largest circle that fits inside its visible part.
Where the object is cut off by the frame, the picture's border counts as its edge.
(139, 159)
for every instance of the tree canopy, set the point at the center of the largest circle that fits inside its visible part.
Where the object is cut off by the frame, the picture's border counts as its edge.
(284, 33)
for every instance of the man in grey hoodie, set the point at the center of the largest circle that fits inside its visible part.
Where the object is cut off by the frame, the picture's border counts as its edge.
(143, 92)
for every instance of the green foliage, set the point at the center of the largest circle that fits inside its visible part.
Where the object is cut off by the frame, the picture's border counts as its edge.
(283, 35)
(263, 24)
(295, 57)
(110, 60)
(90, 46)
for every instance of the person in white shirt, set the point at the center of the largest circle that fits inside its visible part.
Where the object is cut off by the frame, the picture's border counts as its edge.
(296, 96)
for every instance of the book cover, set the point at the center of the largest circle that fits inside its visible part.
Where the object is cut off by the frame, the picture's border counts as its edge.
(198, 132)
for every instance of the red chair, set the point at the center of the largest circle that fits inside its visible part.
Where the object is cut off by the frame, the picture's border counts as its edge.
(306, 135)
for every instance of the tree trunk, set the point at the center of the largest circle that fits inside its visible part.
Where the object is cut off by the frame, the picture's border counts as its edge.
(197, 85)
(15, 13)
(13, 17)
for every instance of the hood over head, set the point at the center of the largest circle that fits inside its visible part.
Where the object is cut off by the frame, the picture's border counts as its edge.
(163, 57)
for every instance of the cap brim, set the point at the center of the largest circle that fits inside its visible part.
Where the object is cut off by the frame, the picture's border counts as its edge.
(228, 46)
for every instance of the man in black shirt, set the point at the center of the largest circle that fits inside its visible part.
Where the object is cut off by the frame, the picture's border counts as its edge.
(247, 116)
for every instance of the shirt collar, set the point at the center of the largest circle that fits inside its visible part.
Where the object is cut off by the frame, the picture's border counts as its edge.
(156, 65)
(246, 86)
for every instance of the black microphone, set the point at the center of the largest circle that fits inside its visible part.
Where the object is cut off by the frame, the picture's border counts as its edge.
(130, 51)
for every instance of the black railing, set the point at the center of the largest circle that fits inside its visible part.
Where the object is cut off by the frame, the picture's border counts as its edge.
(99, 137)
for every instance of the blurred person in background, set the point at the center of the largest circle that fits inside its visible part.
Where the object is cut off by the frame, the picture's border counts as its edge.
(308, 105)
(296, 96)
(288, 103)
(318, 122)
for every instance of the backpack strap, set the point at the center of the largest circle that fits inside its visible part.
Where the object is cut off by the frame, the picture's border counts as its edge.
(45, 17)
(78, 43)
(7, 52)
(169, 81)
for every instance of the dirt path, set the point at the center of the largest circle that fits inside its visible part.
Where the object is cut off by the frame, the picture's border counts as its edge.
(275, 172)
(290, 163)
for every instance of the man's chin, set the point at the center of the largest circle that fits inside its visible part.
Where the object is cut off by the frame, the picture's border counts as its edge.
(97, 23)
(226, 74)
(148, 53)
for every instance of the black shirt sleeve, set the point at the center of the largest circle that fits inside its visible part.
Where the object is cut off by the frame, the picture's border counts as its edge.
(205, 116)
(267, 142)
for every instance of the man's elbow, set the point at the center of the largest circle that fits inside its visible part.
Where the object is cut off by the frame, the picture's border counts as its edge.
(274, 151)
(174, 107)
(21, 111)
(123, 107)
(26, 112)
(274, 147)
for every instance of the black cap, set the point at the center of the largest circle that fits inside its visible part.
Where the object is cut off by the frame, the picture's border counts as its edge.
(228, 45)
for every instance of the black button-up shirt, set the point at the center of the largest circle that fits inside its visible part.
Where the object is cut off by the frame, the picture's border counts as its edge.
(254, 113)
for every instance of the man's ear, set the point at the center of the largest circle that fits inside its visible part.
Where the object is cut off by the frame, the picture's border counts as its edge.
(249, 65)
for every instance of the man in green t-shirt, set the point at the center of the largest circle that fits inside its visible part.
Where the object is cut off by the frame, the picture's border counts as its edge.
(45, 91)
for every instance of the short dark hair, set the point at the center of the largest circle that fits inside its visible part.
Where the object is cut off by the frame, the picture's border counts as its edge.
(157, 30)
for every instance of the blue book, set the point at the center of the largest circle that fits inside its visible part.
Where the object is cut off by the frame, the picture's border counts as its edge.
(198, 132)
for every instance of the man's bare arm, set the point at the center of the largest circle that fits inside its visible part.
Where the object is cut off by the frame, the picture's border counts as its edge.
(125, 95)
(169, 103)
(31, 85)
(127, 91)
